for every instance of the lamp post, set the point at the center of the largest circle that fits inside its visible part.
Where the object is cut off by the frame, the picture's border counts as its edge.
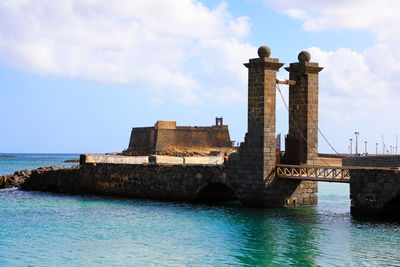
(351, 146)
(365, 151)
(356, 134)
(376, 148)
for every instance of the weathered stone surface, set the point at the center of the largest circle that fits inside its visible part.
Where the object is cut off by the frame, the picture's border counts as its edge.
(156, 159)
(169, 182)
(264, 51)
(373, 161)
(19, 177)
(302, 139)
(14, 180)
(304, 56)
(205, 160)
(116, 159)
(375, 192)
(159, 159)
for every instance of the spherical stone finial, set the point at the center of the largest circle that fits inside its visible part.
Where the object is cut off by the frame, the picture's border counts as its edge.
(264, 51)
(304, 56)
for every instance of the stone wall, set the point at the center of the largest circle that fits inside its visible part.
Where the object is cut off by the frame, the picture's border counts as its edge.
(155, 159)
(168, 182)
(192, 137)
(114, 159)
(274, 192)
(142, 140)
(375, 192)
(373, 161)
(206, 160)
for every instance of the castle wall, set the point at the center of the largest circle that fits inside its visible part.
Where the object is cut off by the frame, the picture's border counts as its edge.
(166, 136)
(192, 137)
(142, 139)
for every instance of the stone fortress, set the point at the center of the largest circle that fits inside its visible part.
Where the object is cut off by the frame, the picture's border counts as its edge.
(165, 138)
(161, 162)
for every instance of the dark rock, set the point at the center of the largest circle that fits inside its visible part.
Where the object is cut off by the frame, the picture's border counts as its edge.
(71, 160)
(19, 177)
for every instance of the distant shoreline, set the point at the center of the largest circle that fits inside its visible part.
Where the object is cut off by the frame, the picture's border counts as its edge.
(7, 156)
(71, 160)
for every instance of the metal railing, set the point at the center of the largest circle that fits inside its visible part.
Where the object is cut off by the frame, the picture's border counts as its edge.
(314, 173)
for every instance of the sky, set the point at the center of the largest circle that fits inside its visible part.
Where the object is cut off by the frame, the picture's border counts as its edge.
(77, 75)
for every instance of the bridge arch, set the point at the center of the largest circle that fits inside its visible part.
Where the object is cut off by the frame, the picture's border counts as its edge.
(215, 191)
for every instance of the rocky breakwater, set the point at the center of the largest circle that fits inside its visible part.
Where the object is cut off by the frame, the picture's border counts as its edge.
(19, 178)
(49, 178)
(14, 180)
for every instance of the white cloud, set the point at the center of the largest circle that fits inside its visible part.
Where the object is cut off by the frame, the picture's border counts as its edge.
(349, 74)
(166, 46)
(348, 14)
(358, 89)
(297, 14)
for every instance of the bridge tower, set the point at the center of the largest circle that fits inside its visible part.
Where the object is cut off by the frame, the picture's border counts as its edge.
(251, 171)
(302, 139)
(251, 168)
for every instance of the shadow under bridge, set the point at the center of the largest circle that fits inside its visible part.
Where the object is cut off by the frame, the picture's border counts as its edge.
(215, 192)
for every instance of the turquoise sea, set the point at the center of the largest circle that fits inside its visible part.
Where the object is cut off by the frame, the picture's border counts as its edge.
(41, 229)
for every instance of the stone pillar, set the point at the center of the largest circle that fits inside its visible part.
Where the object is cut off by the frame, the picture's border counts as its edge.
(302, 140)
(250, 170)
(261, 120)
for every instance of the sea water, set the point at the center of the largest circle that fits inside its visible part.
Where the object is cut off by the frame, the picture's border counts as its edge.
(18, 162)
(41, 229)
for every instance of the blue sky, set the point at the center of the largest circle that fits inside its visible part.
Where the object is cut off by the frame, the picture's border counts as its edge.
(77, 75)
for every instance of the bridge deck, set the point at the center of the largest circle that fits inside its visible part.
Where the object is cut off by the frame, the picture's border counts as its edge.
(336, 174)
